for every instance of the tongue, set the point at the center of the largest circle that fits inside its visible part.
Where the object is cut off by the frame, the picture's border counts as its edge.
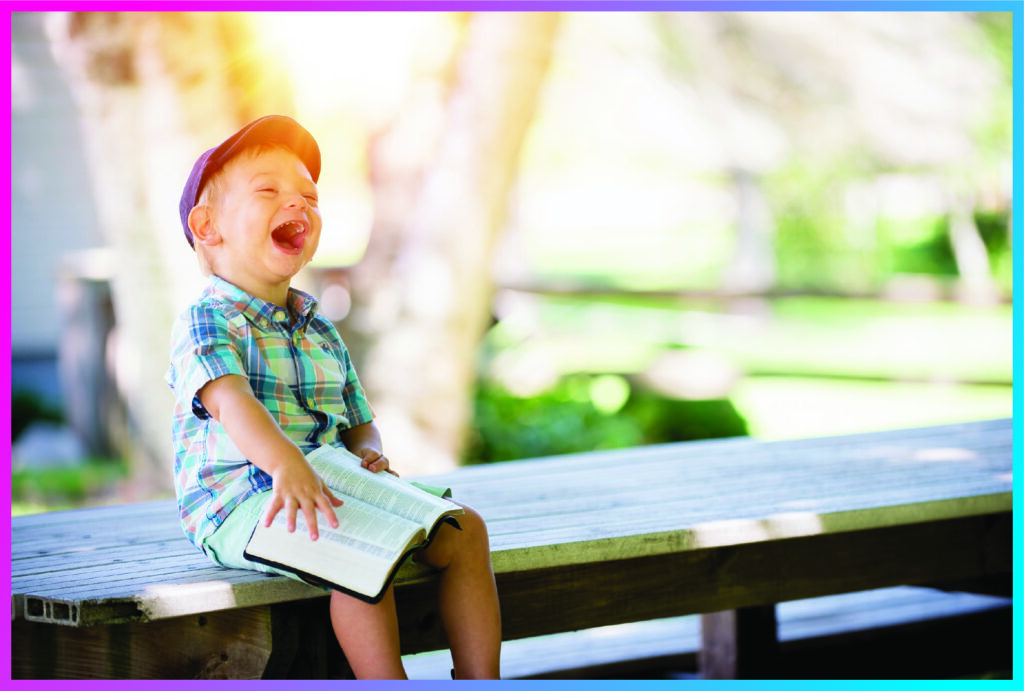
(289, 237)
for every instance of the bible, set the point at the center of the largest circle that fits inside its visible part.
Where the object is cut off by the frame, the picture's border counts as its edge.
(382, 521)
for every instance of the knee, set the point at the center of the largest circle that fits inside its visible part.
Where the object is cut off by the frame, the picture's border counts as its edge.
(450, 545)
(473, 525)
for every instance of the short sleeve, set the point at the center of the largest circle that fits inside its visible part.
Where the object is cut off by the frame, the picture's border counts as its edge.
(358, 407)
(202, 349)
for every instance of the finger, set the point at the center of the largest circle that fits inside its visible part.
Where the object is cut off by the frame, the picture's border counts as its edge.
(309, 513)
(380, 464)
(392, 472)
(323, 503)
(290, 509)
(272, 508)
(333, 500)
(369, 456)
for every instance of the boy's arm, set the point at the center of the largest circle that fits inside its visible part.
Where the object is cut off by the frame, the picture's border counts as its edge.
(364, 441)
(296, 486)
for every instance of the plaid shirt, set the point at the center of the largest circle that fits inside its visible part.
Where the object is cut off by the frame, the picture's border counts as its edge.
(299, 369)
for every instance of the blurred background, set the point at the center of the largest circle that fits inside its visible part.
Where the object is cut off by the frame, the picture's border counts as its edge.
(543, 232)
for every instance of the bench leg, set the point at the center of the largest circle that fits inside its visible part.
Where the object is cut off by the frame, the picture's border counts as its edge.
(303, 643)
(739, 643)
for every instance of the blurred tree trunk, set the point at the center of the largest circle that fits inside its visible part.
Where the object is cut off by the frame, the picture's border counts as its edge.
(152, 95)
(422, 294)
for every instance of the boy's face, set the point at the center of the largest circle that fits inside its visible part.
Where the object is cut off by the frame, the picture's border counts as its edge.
(267, 218)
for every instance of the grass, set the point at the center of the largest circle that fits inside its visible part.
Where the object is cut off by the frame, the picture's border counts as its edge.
(804, 366)
(35, 490)
(813, 336)
(794, 407)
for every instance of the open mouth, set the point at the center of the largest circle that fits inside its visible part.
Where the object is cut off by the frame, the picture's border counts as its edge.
(290, 236)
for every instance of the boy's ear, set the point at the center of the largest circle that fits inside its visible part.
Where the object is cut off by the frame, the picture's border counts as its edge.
(200, 222)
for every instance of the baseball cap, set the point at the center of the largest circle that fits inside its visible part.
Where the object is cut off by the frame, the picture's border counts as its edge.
(270, 129)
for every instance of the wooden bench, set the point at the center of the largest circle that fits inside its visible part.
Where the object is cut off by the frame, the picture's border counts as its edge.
(903, 632)
(724, 528)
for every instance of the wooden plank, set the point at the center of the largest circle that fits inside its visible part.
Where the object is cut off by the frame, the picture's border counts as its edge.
(567, 546)
(685, 508)
(585, 530)
(904, 618)
(139, 511)
(108, 563)
(768, 457)
(624, 522)
(166, 598)
(558, 599)
(85, 536)
(218, 645)
(663, 642)
(739, 643)
(996, 434)
(681, 508)
(824, 496)
(112, 556)
(171, 590)
(304, 644)
(811, 491)
(292, 641)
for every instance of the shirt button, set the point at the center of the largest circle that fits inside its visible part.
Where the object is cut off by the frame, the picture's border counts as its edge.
(297, 338)
(309, 402)
(263, 321)
(279, 316)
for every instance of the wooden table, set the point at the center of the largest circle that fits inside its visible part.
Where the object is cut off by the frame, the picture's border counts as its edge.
(725, 528)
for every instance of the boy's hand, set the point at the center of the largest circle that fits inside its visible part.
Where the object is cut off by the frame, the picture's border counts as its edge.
(374, 461)
(297, 487)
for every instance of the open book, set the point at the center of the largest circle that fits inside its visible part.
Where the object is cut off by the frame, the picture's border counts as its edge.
(382, 521)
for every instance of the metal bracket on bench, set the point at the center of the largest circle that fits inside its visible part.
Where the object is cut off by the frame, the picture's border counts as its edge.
(68, 613)
(51, 611)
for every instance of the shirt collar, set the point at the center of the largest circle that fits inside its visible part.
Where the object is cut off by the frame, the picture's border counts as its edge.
(259, 311)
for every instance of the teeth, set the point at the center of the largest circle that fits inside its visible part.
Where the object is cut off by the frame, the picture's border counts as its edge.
(290, 233)
(291, 227)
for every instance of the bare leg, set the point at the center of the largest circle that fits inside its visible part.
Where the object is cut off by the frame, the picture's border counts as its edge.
(369, 635)
(467, 597)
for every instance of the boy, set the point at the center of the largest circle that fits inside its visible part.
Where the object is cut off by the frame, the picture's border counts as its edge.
(260, 380)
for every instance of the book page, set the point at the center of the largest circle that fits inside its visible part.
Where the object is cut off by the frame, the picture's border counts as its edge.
(363, 527)
(344, 564)
(343, 473)
(359, 554)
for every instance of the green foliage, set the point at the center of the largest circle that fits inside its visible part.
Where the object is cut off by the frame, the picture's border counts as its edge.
(574, 417)
(997, 28)
(813, 247)
(50, 489)
(994, 228)
(920, 246)
(992, 134)
(26, 408)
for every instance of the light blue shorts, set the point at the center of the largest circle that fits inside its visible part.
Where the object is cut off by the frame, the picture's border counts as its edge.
(227, 544)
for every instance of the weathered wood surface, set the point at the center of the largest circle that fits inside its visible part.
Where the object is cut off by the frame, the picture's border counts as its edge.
(739, 643)
(229, 644)
(638, 648)
(601, 538)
